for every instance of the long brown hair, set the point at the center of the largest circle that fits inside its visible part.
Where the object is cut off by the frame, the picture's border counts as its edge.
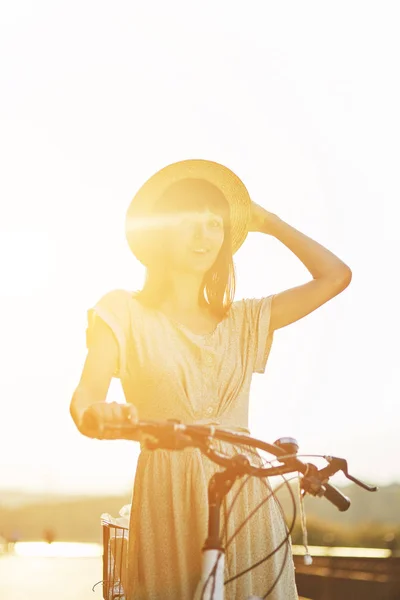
(219, 283)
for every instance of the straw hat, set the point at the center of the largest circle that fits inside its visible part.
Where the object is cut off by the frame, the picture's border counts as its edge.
(142, 205)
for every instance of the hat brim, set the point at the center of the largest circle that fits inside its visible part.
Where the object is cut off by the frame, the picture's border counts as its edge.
(230, 185)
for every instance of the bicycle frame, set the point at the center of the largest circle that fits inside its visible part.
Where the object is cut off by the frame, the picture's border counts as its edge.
(211, 584)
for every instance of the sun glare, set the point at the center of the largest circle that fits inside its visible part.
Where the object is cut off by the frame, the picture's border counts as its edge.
(25, 264)
(343, 552)
(57, 550)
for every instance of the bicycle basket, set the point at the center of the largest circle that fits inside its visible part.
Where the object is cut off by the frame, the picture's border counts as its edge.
(115, 543)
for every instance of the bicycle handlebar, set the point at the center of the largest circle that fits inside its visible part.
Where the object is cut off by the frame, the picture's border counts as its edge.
(173, 435)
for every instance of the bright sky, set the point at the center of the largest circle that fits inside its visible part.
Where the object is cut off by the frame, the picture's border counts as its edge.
(299, 99)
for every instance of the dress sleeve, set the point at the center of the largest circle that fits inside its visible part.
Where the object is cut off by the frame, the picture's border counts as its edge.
(113, 309)
(257, 314)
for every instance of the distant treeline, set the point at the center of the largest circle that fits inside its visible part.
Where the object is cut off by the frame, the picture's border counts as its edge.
(382, 506)
(373, 520)
(71, 520)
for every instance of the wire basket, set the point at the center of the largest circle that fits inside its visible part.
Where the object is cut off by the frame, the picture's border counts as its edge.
(115, 544)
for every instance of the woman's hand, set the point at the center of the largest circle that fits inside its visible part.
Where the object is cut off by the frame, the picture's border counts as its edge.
(262, 220)
(101, 414)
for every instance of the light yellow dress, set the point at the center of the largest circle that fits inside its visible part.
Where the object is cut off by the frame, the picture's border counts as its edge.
(168, 372)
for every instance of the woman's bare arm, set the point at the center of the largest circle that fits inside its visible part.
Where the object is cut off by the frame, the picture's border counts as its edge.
(100, 364)
(330, 274)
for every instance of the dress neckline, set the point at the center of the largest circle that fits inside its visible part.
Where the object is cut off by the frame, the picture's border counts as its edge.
(179, 325)
(183, 327)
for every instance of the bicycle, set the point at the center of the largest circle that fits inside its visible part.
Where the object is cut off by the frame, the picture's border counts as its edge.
(174, 435)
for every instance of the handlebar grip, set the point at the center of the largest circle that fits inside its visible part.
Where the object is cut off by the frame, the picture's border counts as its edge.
(332, 494)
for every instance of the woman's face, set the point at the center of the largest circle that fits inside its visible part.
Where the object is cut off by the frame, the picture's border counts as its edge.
(193, 240)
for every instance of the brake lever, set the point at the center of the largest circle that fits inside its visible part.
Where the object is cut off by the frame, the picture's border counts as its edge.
(340, 464)
(334, 465)
(365, 486)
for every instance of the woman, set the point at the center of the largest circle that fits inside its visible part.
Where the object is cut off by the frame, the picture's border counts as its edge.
(185, 350)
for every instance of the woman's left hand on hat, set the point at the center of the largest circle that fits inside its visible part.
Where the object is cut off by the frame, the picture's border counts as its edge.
(261, 219)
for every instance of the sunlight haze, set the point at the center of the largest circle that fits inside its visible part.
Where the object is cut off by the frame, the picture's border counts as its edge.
(98, 97)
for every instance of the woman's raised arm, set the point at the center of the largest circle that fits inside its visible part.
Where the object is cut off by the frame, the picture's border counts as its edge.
(330, 274)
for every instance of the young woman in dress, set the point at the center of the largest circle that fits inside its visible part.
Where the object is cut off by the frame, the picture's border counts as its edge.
(184, 349)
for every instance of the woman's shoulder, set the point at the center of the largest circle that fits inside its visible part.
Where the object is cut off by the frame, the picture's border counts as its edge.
(247, 302)
(116, 296)
(241, 305)
(250, 308)
(116, 301)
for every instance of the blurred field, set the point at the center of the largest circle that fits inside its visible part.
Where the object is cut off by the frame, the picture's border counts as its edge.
(373, 520)
(35, 578)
